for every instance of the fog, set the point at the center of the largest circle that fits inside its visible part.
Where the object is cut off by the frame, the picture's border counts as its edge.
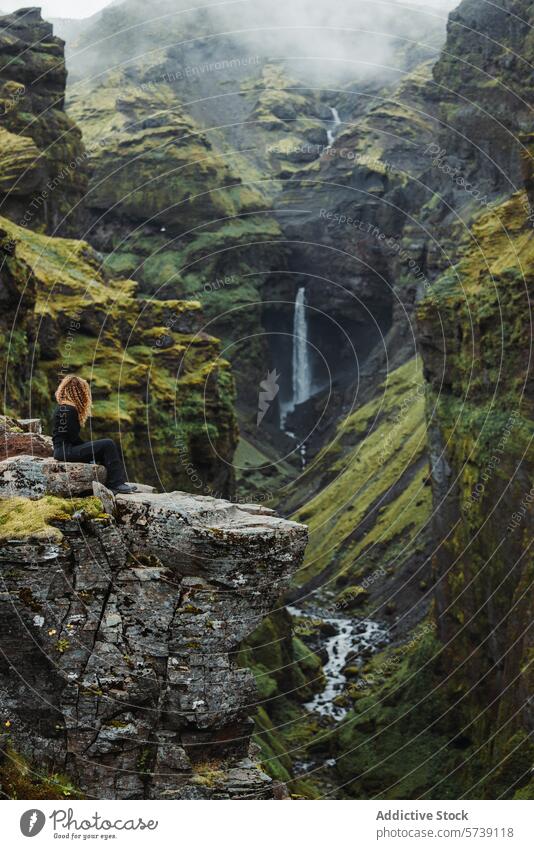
(58, 8)
(330, 41)
(85, 8)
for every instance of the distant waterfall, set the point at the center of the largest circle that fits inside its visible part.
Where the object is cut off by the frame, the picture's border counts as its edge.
(301, 352)
(331, 133)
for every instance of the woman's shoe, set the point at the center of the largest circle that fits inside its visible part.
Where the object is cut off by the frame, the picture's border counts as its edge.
(124, 489)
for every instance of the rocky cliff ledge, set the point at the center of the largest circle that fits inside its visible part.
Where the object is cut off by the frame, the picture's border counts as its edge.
(121, 619)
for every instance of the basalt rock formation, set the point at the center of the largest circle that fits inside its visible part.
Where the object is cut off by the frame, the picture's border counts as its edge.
(119, 637)
(468, 724)
(192, 147)
(43, 165)
(156, 377)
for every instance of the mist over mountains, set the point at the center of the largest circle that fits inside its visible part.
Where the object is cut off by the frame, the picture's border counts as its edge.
(331, 43)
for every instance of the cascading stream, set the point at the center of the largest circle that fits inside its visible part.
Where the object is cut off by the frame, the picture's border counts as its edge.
(332, 132)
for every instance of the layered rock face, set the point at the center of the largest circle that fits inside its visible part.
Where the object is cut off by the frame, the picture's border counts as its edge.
(480, 439)
(191, 143)
(17, 321)
(450, 712)
(119, 637)
(166, 208)
(43, 167)
(475, 335)
(482, 128)
(157, 378)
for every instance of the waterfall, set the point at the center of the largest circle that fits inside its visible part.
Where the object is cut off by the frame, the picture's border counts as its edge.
(331, 133)
(301, 354)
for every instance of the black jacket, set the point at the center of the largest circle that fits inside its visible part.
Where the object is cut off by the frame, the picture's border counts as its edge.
(66, 426)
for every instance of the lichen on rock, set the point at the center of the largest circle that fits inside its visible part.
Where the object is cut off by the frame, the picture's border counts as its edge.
(128, 628)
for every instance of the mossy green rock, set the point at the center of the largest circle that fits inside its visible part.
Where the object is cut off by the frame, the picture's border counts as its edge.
(157, 379)
(43, 169)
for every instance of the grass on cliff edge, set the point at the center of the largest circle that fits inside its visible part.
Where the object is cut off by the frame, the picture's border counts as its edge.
(22, 517)
(19, 779)
(374, 448)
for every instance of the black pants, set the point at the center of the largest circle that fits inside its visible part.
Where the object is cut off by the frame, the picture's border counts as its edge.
(102, 451)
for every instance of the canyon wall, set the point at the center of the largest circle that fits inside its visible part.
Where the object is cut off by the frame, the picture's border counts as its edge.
(449, 711)
(43, 170)
(159, 382)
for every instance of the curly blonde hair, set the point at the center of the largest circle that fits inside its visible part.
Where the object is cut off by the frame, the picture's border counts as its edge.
(75, 390)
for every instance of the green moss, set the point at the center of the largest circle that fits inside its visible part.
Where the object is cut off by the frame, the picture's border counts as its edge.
(150, 377)
(392, 743)
(483, 425)
(208, 774)
(373, 448)
(352, 597)
(273, 757)
(167, 168)
(21, 517)
(19, 779)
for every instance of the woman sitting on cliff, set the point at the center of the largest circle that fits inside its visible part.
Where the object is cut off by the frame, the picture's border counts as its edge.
(73, 396)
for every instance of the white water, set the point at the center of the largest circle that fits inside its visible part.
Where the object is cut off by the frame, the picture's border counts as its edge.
(332, 132)
(301, 351)
(352, 635)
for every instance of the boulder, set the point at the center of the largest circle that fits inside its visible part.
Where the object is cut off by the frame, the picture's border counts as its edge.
(14, 444)
(33, 477)
(143, 487)
(25, 425)
(106, 497)
(23, 436)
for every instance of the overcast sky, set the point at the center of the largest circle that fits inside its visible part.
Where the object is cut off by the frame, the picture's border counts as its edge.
(84, 8)
(58, 8)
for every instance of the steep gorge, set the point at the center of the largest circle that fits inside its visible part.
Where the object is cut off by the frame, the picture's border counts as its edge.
(411, 232)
